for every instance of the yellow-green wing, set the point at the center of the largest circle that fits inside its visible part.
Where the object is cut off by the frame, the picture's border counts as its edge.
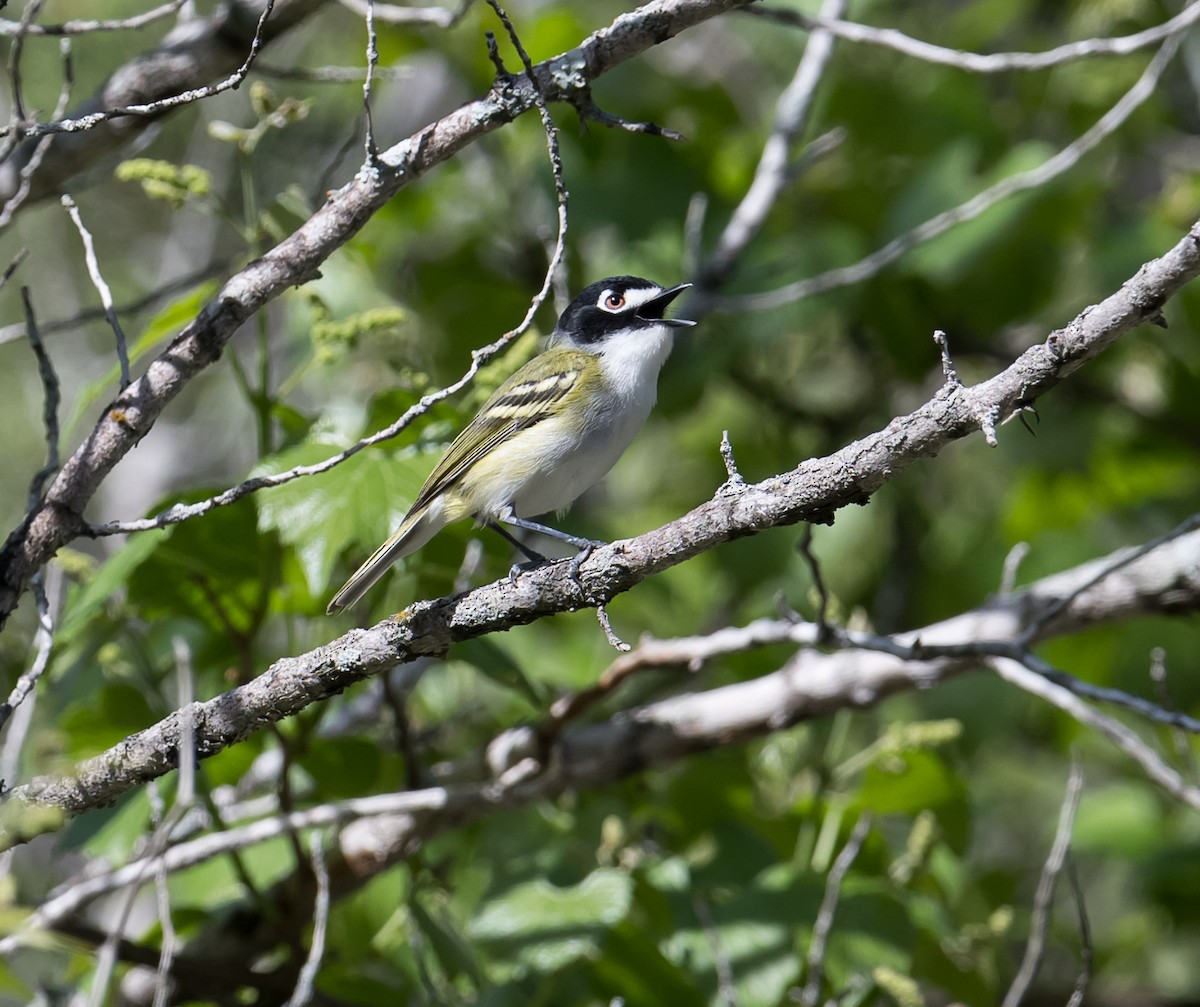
(525, 399)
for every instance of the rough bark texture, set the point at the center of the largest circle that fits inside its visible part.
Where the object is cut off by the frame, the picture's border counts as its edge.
(813, 491)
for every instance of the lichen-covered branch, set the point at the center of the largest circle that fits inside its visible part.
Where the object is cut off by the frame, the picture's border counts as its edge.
(813, 491)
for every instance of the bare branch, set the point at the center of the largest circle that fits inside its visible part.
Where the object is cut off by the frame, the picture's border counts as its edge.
(814, 487)
(166, 921)
(51, 398)
(316, 951)
(1086, 952)
(772, 172)
(1022, 181)
(83, 27)
(811, 684)
(1158, 675)
(331, 74)
(371, 149)
(102, 288)
(1036, 945)
(180, 70)
(151, 108)
(609, 634)
(1000, 62)
(823, 925)
(1133, 555)
(439, 17)
(47, 605)
(804, 547)
(1121, 736)
(21, 30)
(29, 170)
(11, 333)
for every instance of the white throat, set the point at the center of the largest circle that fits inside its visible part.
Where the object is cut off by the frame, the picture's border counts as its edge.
(632, 360)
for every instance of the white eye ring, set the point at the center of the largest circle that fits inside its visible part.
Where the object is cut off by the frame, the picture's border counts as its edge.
(611, 301)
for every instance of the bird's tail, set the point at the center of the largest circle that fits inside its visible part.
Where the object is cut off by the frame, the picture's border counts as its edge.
(414, 532)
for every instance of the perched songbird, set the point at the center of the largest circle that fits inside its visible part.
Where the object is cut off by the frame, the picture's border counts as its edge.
(551, 430)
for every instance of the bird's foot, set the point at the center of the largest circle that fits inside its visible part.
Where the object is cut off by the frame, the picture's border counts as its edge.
(517, 569)
(578, 559)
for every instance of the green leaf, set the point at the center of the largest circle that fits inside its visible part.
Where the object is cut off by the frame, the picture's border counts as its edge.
(343, 767)
(541, 927)
(118, 710)
(495, 662)
(215, 882)
(453, 952)
(167, 322)
(358, 503)
(641, 973)
(112, 833)
(86, 599)
(908, 784)
(216, 567)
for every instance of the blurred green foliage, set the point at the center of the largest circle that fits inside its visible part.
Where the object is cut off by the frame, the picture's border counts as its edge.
(697, 883)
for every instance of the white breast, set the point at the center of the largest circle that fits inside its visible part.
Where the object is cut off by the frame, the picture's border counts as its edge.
(631, 363)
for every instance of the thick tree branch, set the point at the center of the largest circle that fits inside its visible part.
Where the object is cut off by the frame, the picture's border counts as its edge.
(811, 684)
(813, 491)
(297, 259)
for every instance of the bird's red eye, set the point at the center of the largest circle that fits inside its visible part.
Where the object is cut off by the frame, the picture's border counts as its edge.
(614, 302)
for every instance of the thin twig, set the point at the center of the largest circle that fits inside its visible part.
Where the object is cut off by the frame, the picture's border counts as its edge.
(772, 172)
(1123, 737)
(185, 679)
(614, 640)
(733, 478)
(1158, 675)
(83, 27)
(1086, 952)
(1012, 564)
(983, 650)
(690, 652)
(316, 951)
(106, 298)
(11, 333)
(948, 371)
(823, 925)
(153, 108)
(332, 74)
(1046, 617)
(999, 62)
(370, 148)
(47, 599)
(166, 921)
(1021, 181)
(804, 547)
(51, 397)
(43, 145)
(726, 990)
(552, 146)
(20, 31)
(439, 17)
(159, 841)
(1036, 945)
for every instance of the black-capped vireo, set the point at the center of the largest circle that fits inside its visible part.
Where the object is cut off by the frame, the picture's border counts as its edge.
(551, 430)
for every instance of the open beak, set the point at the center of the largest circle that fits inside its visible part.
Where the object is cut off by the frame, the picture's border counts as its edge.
(653, 309)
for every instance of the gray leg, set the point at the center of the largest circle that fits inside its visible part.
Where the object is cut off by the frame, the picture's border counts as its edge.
(562, 536)
(584, 545)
